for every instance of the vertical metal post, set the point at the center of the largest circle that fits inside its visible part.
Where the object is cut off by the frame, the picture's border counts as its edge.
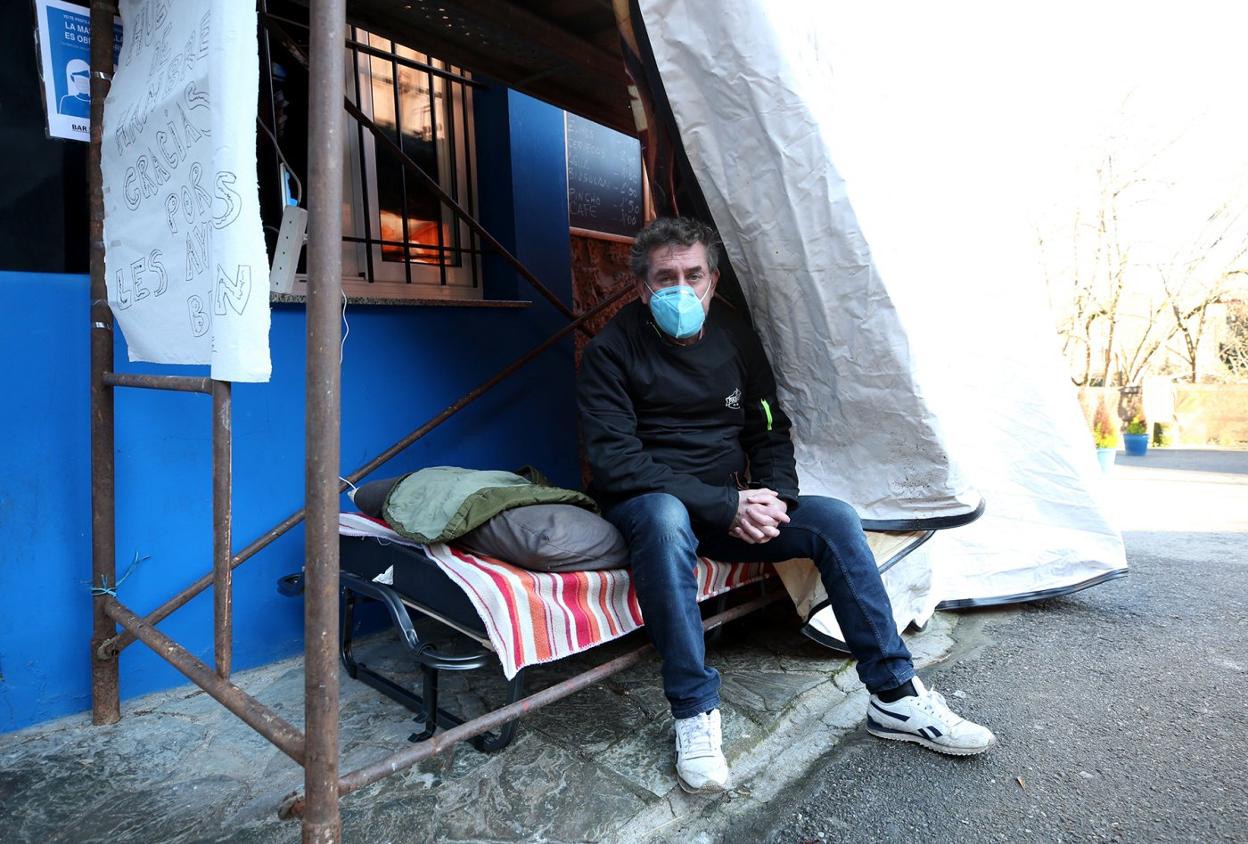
(222, 533)
(105, 683)
(326, 126)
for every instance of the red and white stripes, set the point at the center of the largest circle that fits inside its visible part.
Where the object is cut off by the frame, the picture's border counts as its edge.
(534, 617)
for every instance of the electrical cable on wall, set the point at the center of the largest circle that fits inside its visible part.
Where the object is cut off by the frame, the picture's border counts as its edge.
(290, 170)
(342, 347)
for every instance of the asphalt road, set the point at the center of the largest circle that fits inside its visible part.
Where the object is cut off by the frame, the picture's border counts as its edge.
(1122, 711)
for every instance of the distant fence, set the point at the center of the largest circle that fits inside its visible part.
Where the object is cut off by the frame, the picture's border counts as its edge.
(1204, 414)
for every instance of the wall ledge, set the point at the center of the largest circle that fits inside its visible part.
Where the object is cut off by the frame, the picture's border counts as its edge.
(513, 304)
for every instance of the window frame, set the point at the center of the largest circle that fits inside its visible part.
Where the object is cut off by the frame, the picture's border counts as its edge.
(366, 273)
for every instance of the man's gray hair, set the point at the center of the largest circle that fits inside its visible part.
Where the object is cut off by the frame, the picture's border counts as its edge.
(672, 231)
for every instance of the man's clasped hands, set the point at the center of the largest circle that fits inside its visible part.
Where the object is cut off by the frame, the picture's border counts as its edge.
(760, 512)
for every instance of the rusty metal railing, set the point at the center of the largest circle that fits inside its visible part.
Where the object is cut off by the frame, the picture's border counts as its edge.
(105, 682)
(316, 749)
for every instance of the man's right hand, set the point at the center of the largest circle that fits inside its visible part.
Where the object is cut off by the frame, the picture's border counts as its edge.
(760, 512)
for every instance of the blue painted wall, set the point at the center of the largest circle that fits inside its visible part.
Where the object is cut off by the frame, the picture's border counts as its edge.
(401, 366)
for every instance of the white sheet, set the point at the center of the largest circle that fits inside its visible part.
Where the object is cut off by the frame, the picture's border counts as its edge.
(187, 270)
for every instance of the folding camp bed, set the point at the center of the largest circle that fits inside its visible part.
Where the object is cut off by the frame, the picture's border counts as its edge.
(409, 585)
(501, 614)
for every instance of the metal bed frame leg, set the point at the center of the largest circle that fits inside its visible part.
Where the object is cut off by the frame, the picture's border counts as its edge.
(721, 604)
(434, 716)
(432, 663)
(345, 633)
(429, 694)
(489, 743)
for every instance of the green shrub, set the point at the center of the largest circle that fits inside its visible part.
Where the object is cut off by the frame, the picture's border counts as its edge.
(1137, 425)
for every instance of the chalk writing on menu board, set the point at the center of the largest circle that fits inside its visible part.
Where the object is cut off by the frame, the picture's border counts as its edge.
(604, 178)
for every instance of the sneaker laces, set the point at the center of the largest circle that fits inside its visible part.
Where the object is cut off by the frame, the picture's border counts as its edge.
(696, 737)
(934, 703)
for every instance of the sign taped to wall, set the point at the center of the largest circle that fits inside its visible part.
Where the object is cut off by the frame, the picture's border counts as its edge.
(64, 35)
(184, 250)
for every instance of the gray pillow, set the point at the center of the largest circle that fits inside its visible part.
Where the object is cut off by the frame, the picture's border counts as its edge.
(371, 497)
(550, 537)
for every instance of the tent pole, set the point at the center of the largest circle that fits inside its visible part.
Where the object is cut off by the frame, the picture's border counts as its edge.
(322, 822)
(105, 680)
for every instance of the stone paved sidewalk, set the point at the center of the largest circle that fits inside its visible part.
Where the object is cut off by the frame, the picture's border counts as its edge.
(596, 766)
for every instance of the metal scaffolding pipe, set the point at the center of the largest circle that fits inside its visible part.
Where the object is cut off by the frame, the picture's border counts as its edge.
(254, 713)
(118, 643)
(474, 394)
(105, 680)
(322, 823)
(222, 528)
(294, 805)
(176, 383)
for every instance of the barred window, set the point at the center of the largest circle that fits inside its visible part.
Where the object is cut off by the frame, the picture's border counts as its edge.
(401, 240)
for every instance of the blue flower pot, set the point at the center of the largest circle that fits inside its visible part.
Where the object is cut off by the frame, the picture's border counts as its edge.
(1137, 444)
(1105, 456)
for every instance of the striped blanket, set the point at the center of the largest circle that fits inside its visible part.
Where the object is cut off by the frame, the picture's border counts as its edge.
(534, 617)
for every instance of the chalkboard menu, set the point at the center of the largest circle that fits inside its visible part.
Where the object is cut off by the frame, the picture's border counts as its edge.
(604, 178)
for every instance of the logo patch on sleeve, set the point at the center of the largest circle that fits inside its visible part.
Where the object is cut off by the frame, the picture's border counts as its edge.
(733, 400)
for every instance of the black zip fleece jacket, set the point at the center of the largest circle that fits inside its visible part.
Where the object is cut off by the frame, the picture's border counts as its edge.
(699, 422)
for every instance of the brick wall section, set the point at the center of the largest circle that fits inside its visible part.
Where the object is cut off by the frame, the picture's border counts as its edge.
(1212, 414)
(1205, 414)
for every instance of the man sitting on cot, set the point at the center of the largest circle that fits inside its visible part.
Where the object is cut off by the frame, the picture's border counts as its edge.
(691, 455)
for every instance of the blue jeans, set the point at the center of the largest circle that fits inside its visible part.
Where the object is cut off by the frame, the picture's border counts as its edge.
(664, 546)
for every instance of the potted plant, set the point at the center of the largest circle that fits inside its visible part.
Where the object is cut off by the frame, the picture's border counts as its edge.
(1137, 436)
(1105, 433)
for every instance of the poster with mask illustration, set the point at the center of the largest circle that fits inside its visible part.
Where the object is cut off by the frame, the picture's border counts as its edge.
(187, 270)
(64, 36)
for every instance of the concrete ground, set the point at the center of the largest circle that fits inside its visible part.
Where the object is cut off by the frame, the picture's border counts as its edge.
(596, 766)
(1121, 709)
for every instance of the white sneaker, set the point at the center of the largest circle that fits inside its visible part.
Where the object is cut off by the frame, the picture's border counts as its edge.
(700, 764)
(925, 719)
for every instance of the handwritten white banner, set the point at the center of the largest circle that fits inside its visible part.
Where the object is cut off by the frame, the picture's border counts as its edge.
(188, 277)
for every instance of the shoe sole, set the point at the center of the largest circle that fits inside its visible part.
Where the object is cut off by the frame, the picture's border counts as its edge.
(708, 789)
(931, 745)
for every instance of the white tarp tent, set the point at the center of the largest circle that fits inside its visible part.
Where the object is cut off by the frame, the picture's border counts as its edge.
(910, 394)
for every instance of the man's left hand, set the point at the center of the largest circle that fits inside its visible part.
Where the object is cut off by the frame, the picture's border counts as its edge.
(761, 519)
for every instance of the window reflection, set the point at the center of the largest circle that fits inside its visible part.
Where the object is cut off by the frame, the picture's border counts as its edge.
(409, 213)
